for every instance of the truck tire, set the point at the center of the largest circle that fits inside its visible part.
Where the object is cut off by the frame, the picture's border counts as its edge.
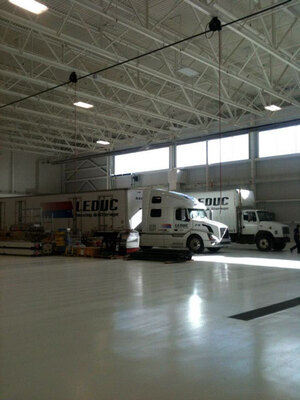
(264, 242)
(214, 249)
(279, 246)
(195, 244)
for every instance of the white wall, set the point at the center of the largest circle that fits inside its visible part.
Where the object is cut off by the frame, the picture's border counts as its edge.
(22, 173)
(49, 178)
(5, 171)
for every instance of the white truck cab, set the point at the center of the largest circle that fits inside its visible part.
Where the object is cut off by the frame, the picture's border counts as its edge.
(262, 225)
(177, 220)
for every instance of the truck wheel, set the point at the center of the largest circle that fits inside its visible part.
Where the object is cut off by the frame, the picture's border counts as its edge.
(214, 249)
(195, 244)
(279, 246)
(264, 243)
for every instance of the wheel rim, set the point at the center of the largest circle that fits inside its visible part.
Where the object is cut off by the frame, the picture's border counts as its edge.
(264, 243)
(195, 244)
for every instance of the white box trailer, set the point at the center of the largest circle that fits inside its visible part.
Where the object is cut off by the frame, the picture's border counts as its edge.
(236, 208)
(107, 212)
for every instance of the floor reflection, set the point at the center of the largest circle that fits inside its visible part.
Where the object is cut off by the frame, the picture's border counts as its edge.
(256, 261)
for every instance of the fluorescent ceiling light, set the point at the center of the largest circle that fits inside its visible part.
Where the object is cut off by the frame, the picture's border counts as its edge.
(30, 5)
(105, 142)
(188, 71)
(83, 105)
(272, 107)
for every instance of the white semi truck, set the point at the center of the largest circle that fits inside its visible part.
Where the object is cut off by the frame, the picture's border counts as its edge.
(164, 219)
(177, 220)
(236, 208)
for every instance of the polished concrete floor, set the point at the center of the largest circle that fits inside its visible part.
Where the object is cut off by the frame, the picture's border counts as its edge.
(77, 328)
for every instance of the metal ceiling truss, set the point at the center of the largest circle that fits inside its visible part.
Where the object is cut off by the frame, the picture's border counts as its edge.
(148, 100)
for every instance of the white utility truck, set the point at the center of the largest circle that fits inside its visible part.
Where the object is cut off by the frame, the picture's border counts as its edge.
(164, 219)
(236, 208)
(177, 220)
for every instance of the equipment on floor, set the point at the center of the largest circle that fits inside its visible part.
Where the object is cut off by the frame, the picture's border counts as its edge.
(21, 248)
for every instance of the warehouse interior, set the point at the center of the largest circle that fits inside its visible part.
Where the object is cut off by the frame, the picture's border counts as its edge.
(113, 96)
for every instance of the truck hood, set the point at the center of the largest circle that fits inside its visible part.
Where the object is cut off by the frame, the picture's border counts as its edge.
(272, 225)
(214, 225)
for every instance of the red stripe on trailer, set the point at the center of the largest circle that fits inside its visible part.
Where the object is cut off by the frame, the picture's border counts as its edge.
(57, 206)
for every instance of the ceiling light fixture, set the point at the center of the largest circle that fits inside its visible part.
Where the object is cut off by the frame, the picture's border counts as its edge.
(104, 142)
(188, 72)
(272, 107)
(30, 5)
(83, 105)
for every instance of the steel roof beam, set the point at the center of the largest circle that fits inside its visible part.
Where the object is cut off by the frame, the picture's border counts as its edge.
(244, 30)
(110, 56)
(151, 35)
(16, 133)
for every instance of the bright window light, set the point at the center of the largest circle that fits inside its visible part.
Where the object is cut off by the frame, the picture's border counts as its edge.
(104, 142)
(30, 5)
(233, 148)
(191, 154)
(279, 142)
(83, 105)
(142, 161)
(272, 107)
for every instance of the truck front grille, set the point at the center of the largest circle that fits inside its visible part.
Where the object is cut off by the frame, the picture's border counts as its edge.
(224, 233)
(285, 230)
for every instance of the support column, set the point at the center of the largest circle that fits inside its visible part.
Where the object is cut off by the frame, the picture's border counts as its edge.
(253, 148)
(109, 169)
(172, 157)
(12, 172)
(206, 168)
(172, 172)
(37, 176)
(63, 178)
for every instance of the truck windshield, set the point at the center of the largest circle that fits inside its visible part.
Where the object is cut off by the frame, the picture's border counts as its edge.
(266, 216)
(195, 213)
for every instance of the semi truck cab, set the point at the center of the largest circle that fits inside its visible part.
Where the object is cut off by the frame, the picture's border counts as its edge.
(176, 220)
